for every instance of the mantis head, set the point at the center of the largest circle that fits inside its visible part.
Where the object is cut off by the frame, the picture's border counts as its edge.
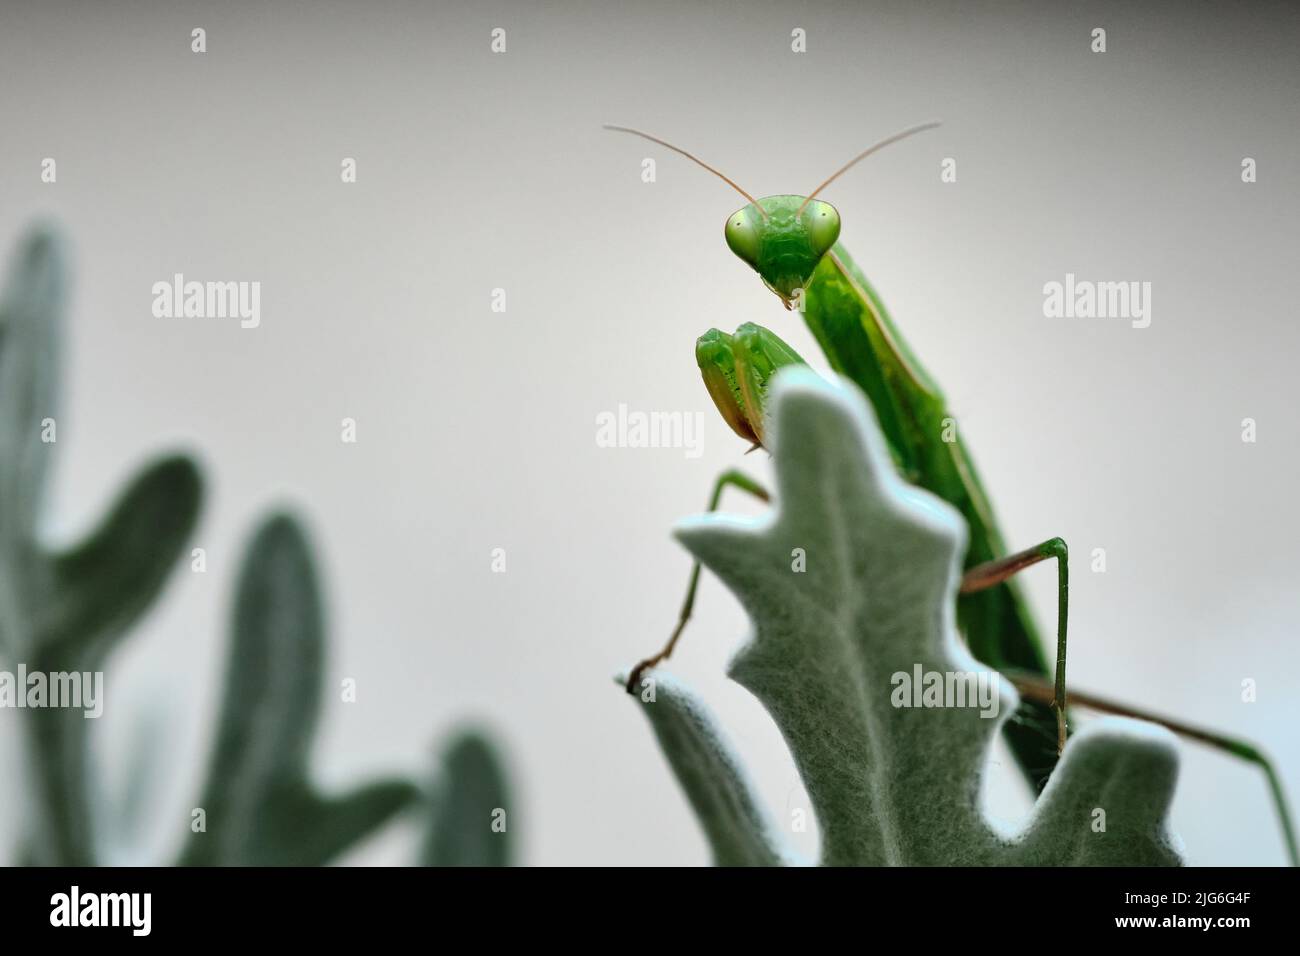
(783, 238)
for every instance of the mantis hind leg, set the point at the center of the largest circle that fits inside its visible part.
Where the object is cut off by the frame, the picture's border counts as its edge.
(1036, 688)
(992, 573)
(736, 479)
(1033, 687)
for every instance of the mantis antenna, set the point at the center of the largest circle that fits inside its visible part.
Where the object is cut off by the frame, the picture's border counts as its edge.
(695, 159)
(911, 131)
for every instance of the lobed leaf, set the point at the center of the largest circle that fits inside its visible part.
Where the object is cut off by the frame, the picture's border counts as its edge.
(852, 580)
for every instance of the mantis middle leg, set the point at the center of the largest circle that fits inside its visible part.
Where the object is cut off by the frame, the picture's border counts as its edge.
(736, 479)
(994, 572)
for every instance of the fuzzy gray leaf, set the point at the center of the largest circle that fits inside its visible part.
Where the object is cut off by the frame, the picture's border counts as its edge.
(875, 599)
(714, 780)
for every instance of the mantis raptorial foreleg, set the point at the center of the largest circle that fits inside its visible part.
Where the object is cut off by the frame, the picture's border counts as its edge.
(736, 479)
(992, 573)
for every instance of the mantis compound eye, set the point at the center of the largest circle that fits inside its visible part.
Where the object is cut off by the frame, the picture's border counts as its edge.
(742, 235)
(823, 224)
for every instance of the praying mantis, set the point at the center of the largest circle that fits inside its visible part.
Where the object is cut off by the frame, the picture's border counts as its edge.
(792, 242)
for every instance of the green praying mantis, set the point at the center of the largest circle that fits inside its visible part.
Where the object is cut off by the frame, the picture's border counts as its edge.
(792, 242)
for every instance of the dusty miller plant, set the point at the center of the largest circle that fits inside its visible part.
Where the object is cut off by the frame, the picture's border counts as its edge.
(876, 597)
(67, 610)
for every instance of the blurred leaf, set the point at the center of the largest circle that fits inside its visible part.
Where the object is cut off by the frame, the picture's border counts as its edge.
(260, 804)
(144, 763)
(64, 612)
(58, 613)
(102, 586)
(31, 318)
(471, 796)
(295, 826)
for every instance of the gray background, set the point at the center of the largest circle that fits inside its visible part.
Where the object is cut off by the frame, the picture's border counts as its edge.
(477, 430)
